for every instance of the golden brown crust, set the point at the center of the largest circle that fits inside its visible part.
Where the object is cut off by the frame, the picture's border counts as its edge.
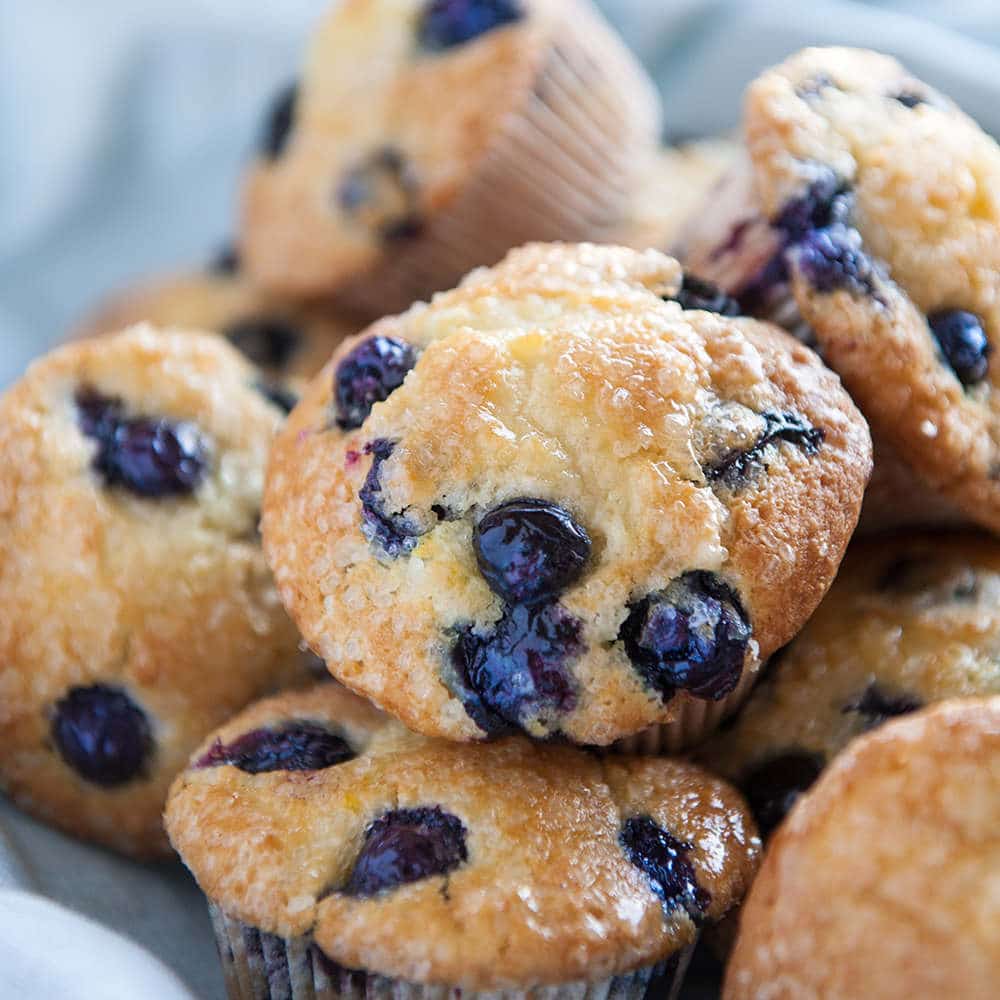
(548, 123)
(169, 599)
(220, 303)
(916, 617)
(882, 882)
(571, 380)
(547, 894)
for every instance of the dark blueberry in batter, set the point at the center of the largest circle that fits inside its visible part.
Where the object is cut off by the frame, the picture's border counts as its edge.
(832, 259)
(380, 193)
(530, 550)
(963, 342)
(695, 293)
(279, 394)
(772, 786)
(733, 468)
(812, 88)
(909, 99)
(294, 746)
(407, 845)
(366, 376)
(447, 23)
(878, 705)
(268, 341)
(826, 202)
(151, 458)
(279, 121)
(665, 862)
(394, 534)
(226, 261)
(517, 672)
(693, 636)
(102, 734)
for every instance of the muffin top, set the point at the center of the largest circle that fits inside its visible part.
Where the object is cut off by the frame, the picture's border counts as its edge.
(883, 880)
(887, 196)
(499, 865)
(362, 155)
(288, 342)
(554, 499)
(910, 620)
(138, 609)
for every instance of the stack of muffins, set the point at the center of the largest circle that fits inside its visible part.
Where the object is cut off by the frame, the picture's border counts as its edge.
(562, 533)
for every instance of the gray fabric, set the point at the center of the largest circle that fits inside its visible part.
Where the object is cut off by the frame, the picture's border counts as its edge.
(123, 128)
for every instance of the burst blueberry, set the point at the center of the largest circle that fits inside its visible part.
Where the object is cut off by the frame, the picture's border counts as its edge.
(102, 735)
(832, 259)
(380, 193)
(963, 342)
(279, 122)
(530, 550)
(666, 862)
(407, 845)
(148, 457)
(696, 293)
(772, 786)
(826, 202)
(368, 375)
(692, 636)
(444, 24)
(393, 534)
(293, 746)
(516, 674)
(877, 705)
(268, 341)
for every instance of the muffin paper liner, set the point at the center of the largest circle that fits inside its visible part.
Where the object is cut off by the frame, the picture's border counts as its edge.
(562, 167)
(260, 966)
(696, 721)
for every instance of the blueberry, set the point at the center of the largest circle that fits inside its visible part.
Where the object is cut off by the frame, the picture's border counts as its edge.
(757, 296)
(813, 87)
(226, 261)
(695, 293)
(102, 734)
(381, 193)
(733, 468)
(294, 746)
(878, 705)
(909, 99)
(447, 23)
(826, 202)
(963, 342)
(393, 534)
(407, 845)
(268, 341)
(692, 636)
(665, 862)
(832, 259)
(279, 121)
(516, 674)
(367, 375)
(151, 458)
(530, 550)
(772, 786)
(280, 395)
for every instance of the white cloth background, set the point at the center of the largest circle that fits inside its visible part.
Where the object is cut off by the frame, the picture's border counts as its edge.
(123, 128)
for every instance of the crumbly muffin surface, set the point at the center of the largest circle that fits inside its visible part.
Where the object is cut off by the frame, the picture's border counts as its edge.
(574, 507)
(513, 864)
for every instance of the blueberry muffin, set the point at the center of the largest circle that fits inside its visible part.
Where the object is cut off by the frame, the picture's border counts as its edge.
(881, 208)
(288, 342)
(342, 853)
(138, 609)
(911, 620)
(674, 185)
(426, 137)
(564, 498)
(883, 881)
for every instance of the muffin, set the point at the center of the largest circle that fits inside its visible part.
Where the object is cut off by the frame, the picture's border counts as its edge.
(557, 500)
(426, 137)
(674, 186)
(344, 856)
(878, 210)
(883, 880)
(138, 609)
(288, 342)
(911, 620)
